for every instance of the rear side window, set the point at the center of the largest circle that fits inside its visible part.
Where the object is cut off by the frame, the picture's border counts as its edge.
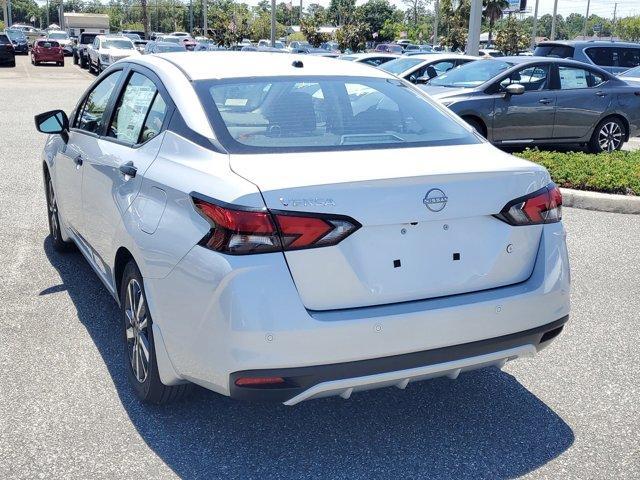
(4, 39)
(140, 111)
(603, 56)
(325, 113)
(628, 57)
(573, 78)
(91, 117)
(558, 51)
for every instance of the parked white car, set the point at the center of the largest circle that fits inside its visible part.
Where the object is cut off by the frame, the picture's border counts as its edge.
(63, 39)
(374, 59)
(302, 229)
(420, 68)
(106, 50)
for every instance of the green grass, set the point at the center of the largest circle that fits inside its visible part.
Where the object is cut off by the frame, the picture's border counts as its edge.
(616, 172)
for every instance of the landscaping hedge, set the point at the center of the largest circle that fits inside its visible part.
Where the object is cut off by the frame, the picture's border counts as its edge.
(616, 172)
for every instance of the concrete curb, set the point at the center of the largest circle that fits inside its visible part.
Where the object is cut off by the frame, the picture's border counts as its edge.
(602, 202)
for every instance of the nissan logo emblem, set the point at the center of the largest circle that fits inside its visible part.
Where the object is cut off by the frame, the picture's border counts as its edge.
(435, 200)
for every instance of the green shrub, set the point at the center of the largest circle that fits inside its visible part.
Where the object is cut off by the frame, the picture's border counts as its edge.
(616, 172)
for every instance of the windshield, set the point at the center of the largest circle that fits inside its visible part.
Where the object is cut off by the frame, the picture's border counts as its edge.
(58, 35)
(324, 113)
(471, 74)
(177, 40)
(16, 35)
(400, 65)
(87, 38)
(169, 48)
(121, 44)
(633, 72)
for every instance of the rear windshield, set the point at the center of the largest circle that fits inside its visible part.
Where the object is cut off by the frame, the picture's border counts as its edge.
(558, 51)
(48, 44)
(324, 113)
(87, 38)
(122, 44)
(471, 74)
(399, 65)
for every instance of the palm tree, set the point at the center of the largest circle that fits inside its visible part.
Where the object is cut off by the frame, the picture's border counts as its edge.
(493, 12)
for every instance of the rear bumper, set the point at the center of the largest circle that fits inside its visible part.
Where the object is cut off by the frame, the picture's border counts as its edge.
(342, 379)
(222, 315)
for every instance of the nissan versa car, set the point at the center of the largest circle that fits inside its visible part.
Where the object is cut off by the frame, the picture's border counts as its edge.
(537, 101)
(305, 229)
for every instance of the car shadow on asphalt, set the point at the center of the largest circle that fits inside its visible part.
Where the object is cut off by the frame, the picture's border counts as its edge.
(485, 424)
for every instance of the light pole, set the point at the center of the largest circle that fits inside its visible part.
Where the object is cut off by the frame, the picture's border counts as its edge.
(553, 20)
(436, 11)
(475, 19)
(273, 23)
(205, 28)
(191, 17)
(534, 28)
(586, 20)
(5, 12)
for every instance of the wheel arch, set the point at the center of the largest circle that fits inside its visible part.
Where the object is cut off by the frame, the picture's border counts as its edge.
(478, 120)
(123, 256)
(619, 116)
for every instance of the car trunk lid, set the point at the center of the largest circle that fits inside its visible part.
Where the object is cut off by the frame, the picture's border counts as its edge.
(428, 228)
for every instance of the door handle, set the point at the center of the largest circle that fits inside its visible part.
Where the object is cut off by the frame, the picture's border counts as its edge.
(78, 160)
(545, 101)
(601, 94)
(128, 169)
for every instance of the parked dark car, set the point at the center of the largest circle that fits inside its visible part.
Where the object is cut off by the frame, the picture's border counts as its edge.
(389, 48)
(7, 52)
(47, 51)
(19, 40)
(614, 57)
(80, 55)
(536, 100)
(163, 47)
(140, 33)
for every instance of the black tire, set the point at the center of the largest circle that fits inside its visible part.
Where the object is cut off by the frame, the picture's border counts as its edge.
(83, 62)
(477, 126)
(90, 66)
(54, 220)
(61, 64)
(99, 68)
(140, 352)
(608, 136)
(13, 63)
(75, 59)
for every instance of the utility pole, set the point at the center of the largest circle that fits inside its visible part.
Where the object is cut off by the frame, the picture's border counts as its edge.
(436, 12)
(9, 15)
(48, 21)
(613, 28)
(535, 26)
(586, 20)
(205, 27)
(273, 23)
(553, 21)
(5, 12)
(475, 19)
(191, 17)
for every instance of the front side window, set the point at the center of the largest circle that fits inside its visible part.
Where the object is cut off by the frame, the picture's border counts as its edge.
(573, 78)
(533, 78)
(324, 113)
(91, 117)
(133, 122)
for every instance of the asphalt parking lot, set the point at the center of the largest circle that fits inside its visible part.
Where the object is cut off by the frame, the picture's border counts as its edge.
(66, 410)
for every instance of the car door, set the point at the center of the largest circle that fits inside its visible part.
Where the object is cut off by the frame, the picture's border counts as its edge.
(127, 148)
(69, 167)
(528, 117)
(582, 99)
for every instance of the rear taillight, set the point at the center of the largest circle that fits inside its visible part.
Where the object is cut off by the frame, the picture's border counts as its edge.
(241, 231)
(541, 206)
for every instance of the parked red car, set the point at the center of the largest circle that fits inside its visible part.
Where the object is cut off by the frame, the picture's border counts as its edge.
(189, 44)
(47, 51)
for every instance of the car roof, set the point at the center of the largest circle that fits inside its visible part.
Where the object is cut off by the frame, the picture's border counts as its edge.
(585, 43)
(440, 56)
(229, 64)
(372, 54)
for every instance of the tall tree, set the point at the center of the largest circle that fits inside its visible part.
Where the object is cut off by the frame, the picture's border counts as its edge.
(416, 7)
(492, 12)
(145, 18)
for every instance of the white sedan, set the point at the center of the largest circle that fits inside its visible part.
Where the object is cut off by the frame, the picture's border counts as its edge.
(420, 68)
(303, 229)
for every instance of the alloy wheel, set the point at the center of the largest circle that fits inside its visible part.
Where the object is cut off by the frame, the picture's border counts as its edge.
(137, 330)
(610, 136)
(53, 210)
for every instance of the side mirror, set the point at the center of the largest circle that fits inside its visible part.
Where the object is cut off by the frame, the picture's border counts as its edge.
(514, 89)
(53, 122)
